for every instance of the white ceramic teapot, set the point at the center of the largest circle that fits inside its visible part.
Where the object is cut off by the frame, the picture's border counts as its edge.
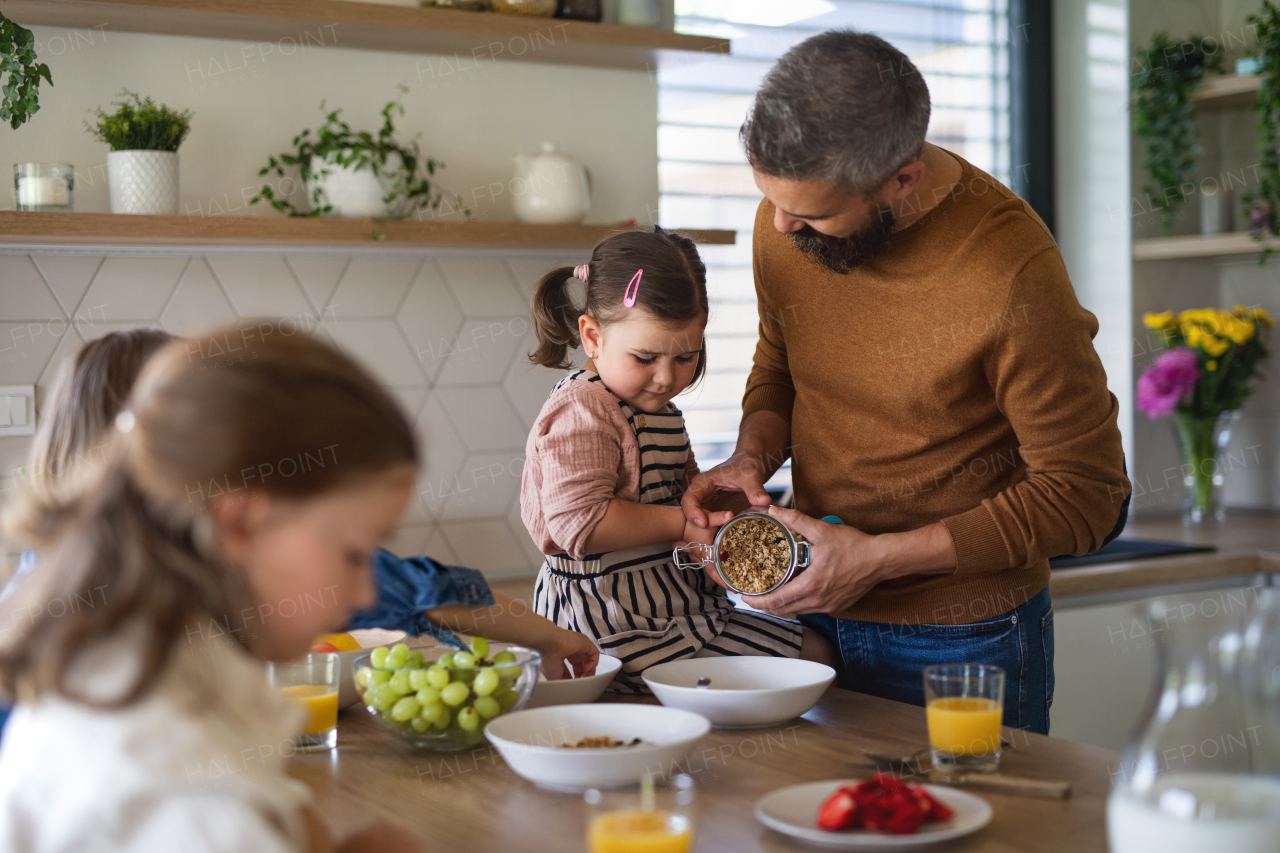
(550, 188)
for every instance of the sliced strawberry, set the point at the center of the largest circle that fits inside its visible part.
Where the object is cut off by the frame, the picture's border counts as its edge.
(905, 820)
(839, 812)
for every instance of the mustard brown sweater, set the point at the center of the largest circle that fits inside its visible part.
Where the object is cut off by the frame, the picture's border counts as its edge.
(952, 378)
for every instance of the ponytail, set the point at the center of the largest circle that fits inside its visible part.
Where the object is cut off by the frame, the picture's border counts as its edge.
(555, 320)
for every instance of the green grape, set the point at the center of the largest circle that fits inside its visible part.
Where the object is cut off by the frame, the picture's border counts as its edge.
(379, 676)
(362, 676)
(463, 659)
(507, 700)
(488, 707)
(395, 660)
(504, 657)
(428, 695)
(379, 656)
(486, 682)
(415, 660)
(400, 683)
(480, 647)
(455, 694)
(468, 719)
(466, 676)
(445, 660)
(382, 697)
(400, 649)
(405, 709)
(419, 725)
(431, 711)
(418, 679)
(438, 677)
(442, 722)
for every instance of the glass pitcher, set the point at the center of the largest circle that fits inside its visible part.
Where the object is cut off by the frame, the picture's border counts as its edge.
(1188, 779)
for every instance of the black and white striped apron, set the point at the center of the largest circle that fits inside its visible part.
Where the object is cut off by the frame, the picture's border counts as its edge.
(638, 605)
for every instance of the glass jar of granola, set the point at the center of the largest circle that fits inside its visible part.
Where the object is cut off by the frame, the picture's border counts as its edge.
(753, 553)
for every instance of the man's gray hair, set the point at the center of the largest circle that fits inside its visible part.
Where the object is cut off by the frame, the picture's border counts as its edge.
(843, 107)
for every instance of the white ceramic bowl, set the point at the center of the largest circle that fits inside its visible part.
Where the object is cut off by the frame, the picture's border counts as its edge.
(576, 691)
(745, 692)
(530, 741)
(368, 638)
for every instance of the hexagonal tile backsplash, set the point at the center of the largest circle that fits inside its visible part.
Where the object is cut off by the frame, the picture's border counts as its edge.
(447, 332)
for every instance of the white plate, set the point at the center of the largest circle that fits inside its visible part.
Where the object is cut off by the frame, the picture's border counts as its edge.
(576, 691)
(794, 811)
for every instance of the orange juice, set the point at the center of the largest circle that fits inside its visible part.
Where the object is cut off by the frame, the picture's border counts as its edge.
(640, 832)
(320, 701)
(964, 725)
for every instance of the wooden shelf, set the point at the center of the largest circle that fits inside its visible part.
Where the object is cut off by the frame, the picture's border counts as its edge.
(1199, 246)
(1230, 92)
(118, 229)
(469, 36)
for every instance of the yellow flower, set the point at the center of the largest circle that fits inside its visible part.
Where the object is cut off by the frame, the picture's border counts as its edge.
(1237, 329)
(1157, 321)
(1258, 315)
(1211, 364)
(1214, 346)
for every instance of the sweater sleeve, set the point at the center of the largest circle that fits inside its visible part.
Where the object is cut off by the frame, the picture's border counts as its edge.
(769, 385)
(581, 454)
(1050, 384)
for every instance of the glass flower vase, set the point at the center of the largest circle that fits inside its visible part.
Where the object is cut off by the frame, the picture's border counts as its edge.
(1189, 778)
(1203, 442)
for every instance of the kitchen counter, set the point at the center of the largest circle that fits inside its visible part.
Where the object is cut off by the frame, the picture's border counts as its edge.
(472, 801)
(1248, 553)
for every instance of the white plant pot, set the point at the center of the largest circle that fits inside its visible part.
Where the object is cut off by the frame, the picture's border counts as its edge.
(352, 192)
(143, 181)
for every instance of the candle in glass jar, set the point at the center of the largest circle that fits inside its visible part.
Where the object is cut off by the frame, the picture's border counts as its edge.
(42, 192)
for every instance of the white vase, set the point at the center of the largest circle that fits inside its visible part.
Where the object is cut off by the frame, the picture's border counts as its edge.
(143, 181)
(354, 192)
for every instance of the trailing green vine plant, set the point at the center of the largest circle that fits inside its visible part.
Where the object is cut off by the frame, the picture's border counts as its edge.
(20, 92)
(1263, 204)
(1164, 119)
(403, 171)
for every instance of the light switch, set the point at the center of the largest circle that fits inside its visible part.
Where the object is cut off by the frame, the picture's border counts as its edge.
(17, 409)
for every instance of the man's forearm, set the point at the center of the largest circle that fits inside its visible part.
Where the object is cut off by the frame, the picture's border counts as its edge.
(764, 438)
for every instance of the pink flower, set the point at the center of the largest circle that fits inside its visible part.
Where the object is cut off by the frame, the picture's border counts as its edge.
(1167, 382)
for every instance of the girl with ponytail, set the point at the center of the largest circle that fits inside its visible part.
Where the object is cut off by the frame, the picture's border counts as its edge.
(608, 459)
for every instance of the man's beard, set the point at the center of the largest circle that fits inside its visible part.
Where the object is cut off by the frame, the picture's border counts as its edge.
(842, 254)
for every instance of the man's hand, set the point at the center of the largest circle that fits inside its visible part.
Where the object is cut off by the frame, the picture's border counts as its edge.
(847, 563)
(738, 476)
(844, 568)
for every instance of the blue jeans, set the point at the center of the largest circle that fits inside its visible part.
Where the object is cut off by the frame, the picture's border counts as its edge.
(886, 660)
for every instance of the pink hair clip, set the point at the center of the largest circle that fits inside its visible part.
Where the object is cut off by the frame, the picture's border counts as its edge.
(629, 297)
(582, 272)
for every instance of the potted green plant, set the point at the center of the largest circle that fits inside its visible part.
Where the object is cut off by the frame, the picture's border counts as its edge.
(357, 173)
(1164, 119)
(1263, 204)
(20, 94)
(142, 166)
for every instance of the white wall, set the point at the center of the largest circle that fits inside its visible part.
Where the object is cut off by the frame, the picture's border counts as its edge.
(475, 120)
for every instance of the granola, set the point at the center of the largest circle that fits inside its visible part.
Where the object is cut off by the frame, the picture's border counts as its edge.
(600, 742)
(754, 555)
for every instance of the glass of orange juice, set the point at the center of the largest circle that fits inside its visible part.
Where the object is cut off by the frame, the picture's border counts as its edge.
(964, 707)
(311, 682)
(658, 818)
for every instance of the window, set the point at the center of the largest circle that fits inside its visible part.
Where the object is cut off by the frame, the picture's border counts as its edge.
(961, 47)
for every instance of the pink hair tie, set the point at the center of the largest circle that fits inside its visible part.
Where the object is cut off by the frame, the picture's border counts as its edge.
(582, 272)
(629, 297)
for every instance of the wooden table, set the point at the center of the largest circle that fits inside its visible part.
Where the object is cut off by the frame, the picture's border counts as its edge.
(472, 801)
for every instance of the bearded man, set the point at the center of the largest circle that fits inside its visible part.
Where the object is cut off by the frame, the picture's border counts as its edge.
(925, 363)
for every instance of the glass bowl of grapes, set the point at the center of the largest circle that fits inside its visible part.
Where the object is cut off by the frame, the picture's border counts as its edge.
(440, 698)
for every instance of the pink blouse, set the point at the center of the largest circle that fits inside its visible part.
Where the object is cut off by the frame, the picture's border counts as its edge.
(580, 455)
